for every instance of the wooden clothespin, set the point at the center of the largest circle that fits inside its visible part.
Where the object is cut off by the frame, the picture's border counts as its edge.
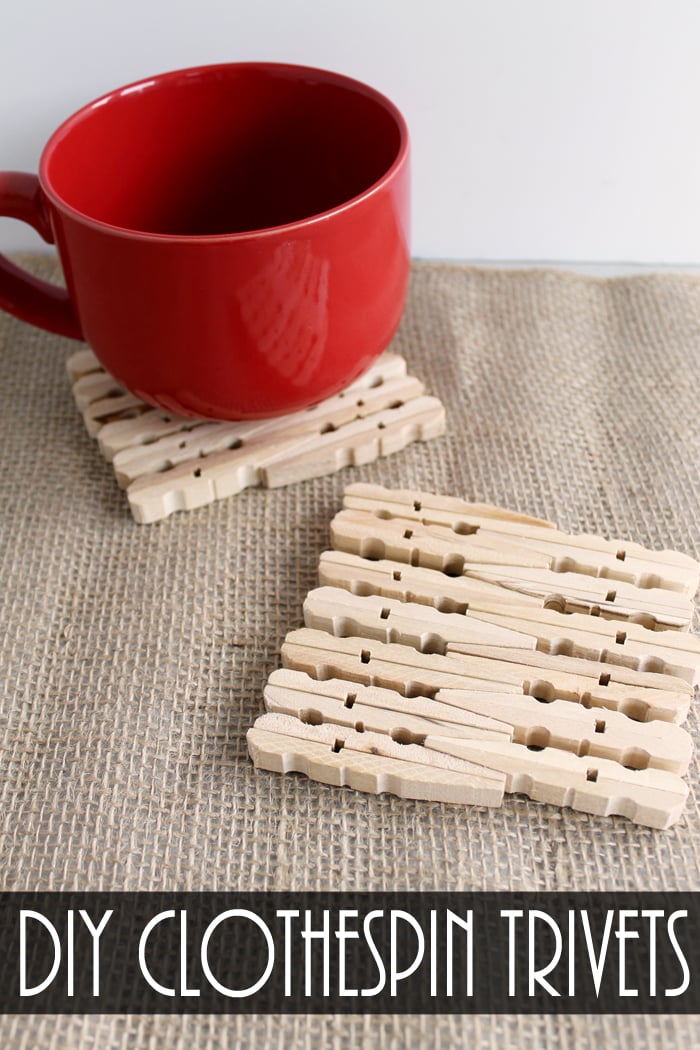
(82, 363)
(432, 546)
(429, 507)
(341, 613)
(395, 579)
(480, 716)
(400, 667)
(478, 774)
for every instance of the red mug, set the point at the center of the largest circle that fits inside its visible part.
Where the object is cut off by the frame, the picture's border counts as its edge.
(234, 238)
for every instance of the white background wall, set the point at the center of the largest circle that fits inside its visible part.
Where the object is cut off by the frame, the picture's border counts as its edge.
(542, 129)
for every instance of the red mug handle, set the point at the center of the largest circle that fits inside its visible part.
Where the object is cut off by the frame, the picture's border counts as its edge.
(22, 294)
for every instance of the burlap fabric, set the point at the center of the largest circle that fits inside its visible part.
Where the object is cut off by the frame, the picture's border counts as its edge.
(133, 657)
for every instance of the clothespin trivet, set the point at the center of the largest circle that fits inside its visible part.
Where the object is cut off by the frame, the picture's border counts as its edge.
(168, 463)
(457, 651)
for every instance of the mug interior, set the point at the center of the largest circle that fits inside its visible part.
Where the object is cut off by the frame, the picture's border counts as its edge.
(223, 149)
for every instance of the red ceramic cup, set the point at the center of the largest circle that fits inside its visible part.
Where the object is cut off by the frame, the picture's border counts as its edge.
(234, 238)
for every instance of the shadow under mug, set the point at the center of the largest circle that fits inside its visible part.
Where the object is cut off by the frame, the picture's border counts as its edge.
(234, 238)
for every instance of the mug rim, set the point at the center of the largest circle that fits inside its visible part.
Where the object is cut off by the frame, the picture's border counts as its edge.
(330, 76)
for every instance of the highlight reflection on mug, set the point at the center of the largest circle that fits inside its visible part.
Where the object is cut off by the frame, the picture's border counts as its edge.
(275, 304)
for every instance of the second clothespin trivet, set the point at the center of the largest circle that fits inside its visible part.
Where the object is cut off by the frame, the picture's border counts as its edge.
(456, 651)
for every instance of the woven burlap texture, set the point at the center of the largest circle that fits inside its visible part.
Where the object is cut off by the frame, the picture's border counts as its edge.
(133, 657)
